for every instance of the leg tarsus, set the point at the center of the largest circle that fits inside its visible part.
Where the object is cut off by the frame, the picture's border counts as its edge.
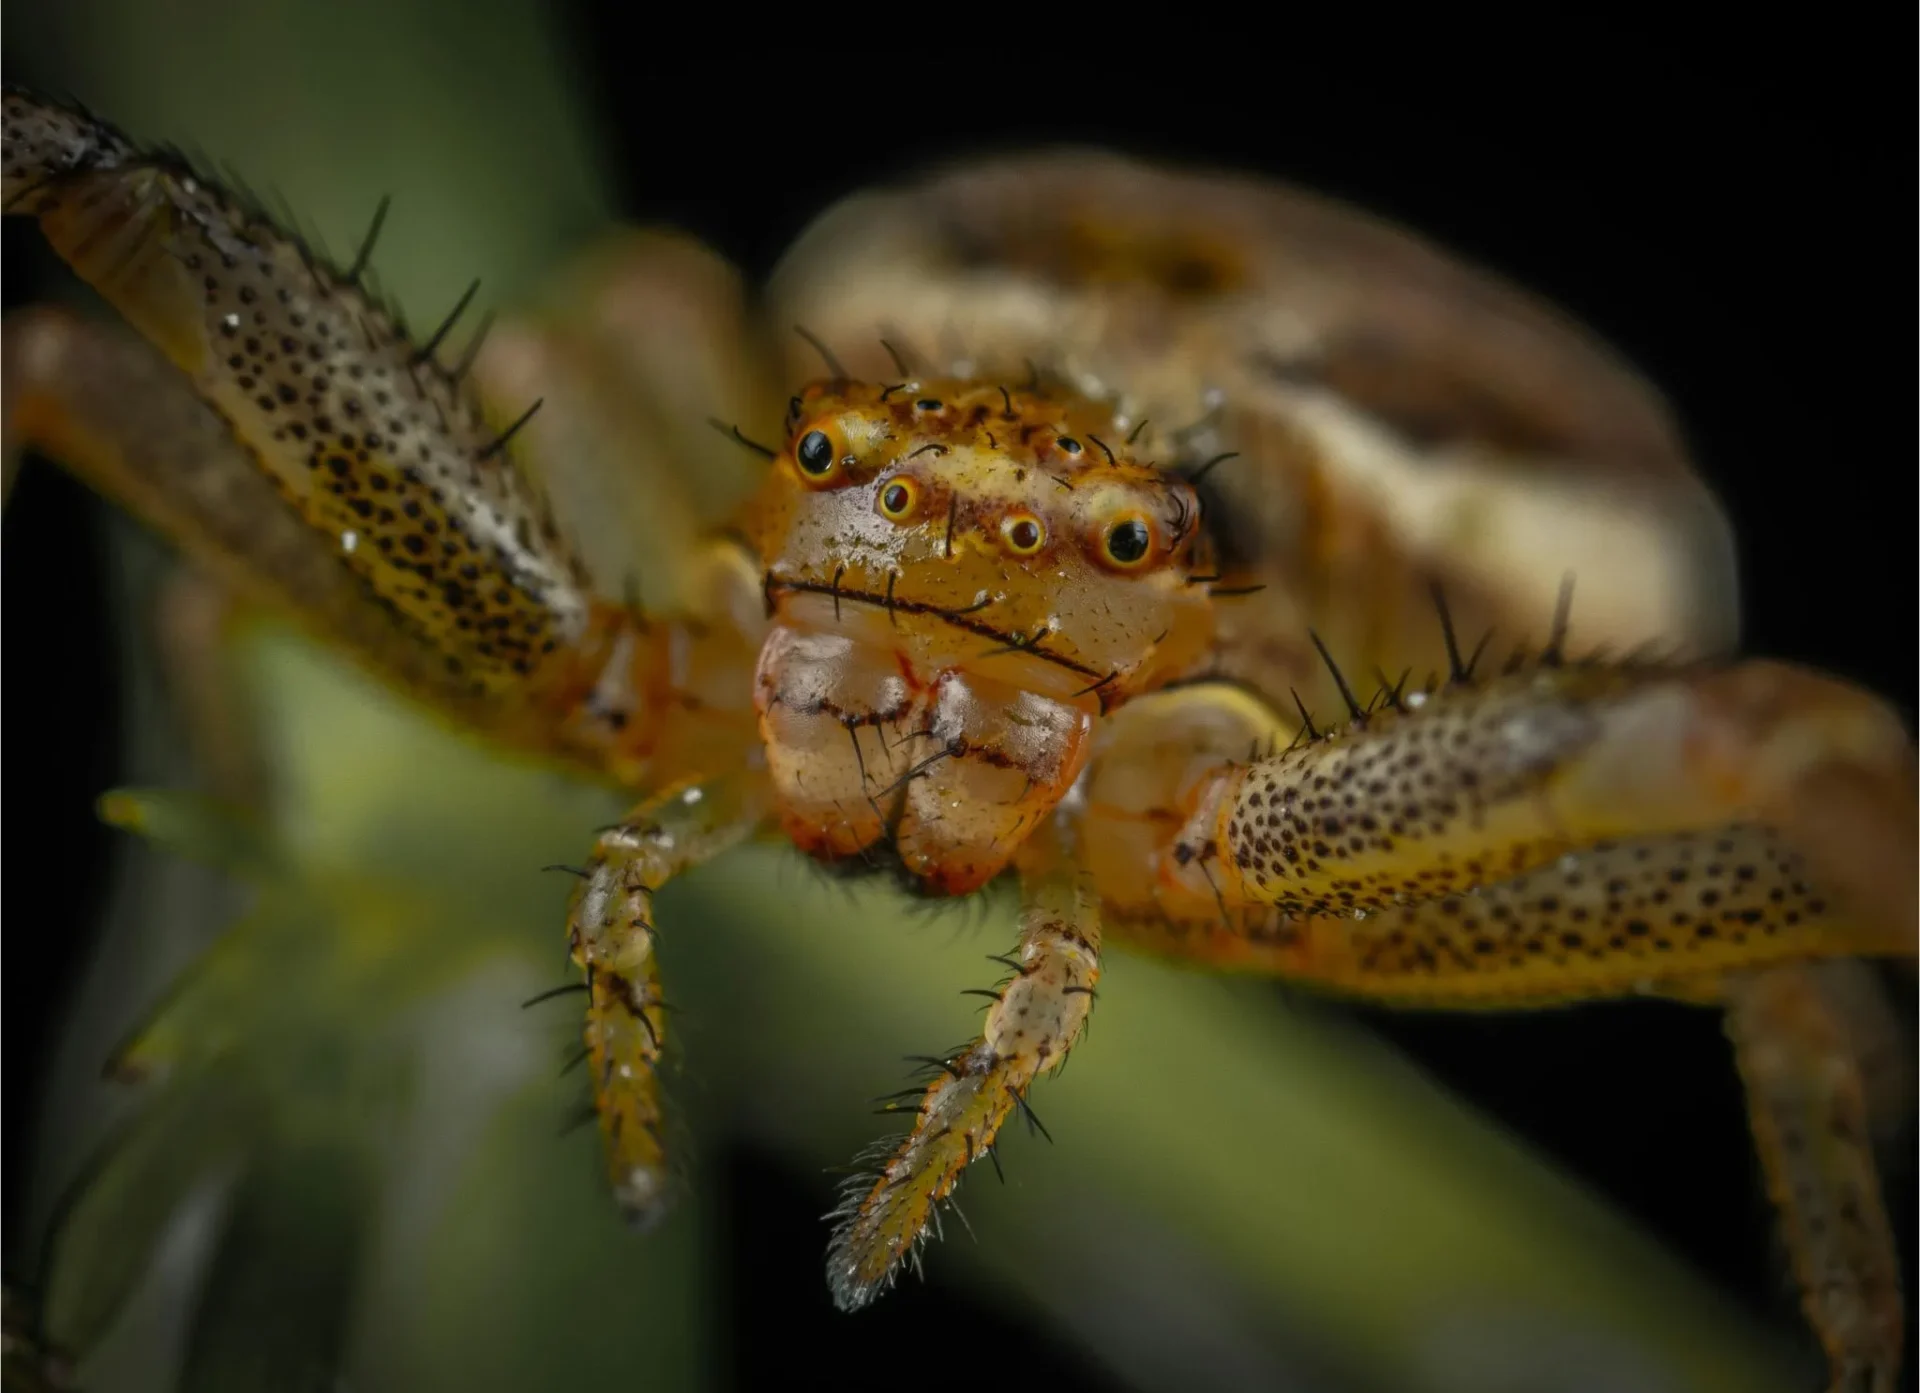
(1034, 1021)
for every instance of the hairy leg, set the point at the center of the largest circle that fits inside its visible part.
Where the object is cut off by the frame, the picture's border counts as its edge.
(362, 432)
(110, 409)
(284, 429)
(1481, 783)
(1560, 835)
(1823, 1078)
(1031, 1024)
(611, 935)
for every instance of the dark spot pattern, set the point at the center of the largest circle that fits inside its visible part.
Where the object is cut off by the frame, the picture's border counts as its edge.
(1361, 819)
(376, 445)
(1603, 918)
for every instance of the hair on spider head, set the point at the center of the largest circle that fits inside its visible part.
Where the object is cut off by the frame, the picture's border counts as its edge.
(900, 363)
(834, 365)
(735, 434)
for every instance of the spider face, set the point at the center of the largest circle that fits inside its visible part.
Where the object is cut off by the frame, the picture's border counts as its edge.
(947, 501)
(950, 559)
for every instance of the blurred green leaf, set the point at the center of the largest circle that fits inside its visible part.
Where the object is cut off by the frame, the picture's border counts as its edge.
(186, 1137)
(276, 1309)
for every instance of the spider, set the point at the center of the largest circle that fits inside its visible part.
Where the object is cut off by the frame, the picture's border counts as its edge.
(1136, 539)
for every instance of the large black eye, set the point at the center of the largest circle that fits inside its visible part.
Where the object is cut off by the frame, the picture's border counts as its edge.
(1128, 542)
(815, 453)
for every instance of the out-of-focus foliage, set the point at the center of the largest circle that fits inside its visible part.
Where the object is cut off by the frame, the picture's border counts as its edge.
(343, 1153)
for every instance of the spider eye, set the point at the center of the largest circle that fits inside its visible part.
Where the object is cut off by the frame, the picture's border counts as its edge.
(1023, 534)
(815, 455)
(1128, 542)
(898, 499)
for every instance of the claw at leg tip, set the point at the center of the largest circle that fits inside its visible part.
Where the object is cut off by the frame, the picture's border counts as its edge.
(643, 1199)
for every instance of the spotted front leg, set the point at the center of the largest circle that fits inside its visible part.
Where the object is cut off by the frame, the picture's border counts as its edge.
(1030, 1026)
(110, 409)
(364, 434)
(1563, 833)
(1535, 838)
(1808, 1094)
(1636, 823)
(283, 428)
(610, 932)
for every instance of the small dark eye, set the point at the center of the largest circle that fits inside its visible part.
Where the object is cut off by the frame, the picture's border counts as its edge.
(928, 404)
(1023, 534)
(815, 453)
(1129, 541)
(1070, 445)
(898, 498)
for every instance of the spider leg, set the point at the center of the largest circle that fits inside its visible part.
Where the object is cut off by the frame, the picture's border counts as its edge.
(1030, 1026)
(1726, 837)
(648, 341)
(1809, 1092)
(611, 936)
(1860, 1005)
(195, 617)
(115, 413)
(1518, 779)
(283, 428)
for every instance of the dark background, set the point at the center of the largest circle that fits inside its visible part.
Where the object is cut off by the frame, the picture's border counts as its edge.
(1740, 221)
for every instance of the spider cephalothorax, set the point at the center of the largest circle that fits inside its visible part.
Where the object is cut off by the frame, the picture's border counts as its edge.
(963, 576)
